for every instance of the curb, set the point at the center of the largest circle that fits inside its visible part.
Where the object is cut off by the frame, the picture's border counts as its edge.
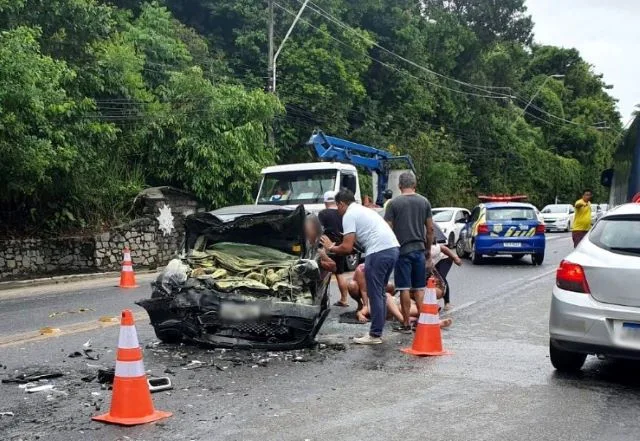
(58, 280)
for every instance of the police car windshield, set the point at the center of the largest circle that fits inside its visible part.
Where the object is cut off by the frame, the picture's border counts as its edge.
(511, 214)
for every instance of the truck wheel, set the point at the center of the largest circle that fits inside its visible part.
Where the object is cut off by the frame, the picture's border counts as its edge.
(352, 261)
(565, 361)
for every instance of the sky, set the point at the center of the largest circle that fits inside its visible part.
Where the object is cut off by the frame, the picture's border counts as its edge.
(606, 32)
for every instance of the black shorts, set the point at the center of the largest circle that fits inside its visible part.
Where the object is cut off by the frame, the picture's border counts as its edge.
(341, 264)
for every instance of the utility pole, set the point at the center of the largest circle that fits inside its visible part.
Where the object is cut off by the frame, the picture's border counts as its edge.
(270, 80)
(270, 72)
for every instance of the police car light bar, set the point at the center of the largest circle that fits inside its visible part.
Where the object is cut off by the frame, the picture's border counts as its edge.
(502, 198)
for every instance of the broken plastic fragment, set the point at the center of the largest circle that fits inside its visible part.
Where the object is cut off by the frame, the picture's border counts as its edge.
(42, 388)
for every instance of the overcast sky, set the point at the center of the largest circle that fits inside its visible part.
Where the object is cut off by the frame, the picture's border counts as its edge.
(607, 34)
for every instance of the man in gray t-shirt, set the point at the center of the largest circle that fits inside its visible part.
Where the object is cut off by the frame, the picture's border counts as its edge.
(409, 215)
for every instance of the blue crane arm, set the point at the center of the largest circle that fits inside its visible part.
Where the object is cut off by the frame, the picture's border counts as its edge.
(329, 148)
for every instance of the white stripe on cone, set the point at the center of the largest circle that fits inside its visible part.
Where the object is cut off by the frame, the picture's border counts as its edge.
(430, 296)
(428, 319)
(127, 257)
(127, 269)
(128, 338)
(129, 369)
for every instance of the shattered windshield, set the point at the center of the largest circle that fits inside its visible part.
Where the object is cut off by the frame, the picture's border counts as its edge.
(299, 187)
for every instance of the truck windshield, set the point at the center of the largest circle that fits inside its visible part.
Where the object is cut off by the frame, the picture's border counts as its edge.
(298, 187)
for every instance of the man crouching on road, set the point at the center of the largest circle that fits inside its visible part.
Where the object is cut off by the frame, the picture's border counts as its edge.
(410, 217)
(381, 252)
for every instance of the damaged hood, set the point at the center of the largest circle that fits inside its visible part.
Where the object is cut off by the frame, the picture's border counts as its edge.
(270, 226)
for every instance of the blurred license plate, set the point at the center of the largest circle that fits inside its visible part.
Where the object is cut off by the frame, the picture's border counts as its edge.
(513, 244)
(631, 331)
(239, 311)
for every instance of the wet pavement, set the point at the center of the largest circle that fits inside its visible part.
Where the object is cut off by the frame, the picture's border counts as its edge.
(497, 385)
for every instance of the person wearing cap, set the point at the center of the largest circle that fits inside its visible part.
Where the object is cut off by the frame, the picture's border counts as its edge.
(332, 226)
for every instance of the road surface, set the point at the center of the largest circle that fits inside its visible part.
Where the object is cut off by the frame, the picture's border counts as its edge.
(497, 385)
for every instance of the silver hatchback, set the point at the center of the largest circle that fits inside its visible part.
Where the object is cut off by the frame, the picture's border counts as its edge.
(595, 307)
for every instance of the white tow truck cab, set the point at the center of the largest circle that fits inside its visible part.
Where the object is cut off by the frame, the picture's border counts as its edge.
(294, 184)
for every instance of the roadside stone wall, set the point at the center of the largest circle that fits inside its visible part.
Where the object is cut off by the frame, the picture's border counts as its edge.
(154, 238)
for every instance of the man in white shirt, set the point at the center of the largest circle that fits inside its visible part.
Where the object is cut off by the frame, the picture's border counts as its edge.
(381, 253)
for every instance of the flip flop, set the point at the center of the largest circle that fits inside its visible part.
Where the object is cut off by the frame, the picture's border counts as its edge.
(340, 304)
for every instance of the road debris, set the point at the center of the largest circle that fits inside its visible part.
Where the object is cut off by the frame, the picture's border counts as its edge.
(44, 387)
(35, 375)
(159, 384)
(106, 376)
(76, 311)
(88, 354)
(6, 414)
(75, 354)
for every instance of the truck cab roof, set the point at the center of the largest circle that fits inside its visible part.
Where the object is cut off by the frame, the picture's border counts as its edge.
(308, 166)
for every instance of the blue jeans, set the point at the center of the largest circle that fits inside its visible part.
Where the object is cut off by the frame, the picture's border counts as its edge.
(378, 267)
(411, 271)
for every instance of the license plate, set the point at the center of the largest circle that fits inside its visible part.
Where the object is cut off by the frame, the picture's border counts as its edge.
(630, 331)
(513, 244)
(239, 311)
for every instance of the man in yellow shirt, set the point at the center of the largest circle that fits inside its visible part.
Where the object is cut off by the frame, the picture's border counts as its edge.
(582, 217)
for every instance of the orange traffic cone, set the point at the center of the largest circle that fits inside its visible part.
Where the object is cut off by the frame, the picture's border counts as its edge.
(428, 339)
(131, 401)
(127, 276)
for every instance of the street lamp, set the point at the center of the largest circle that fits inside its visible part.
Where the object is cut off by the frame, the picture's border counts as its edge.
(539, 89)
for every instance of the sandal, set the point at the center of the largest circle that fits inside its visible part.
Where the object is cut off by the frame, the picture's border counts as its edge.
(340, 304)
(402, 329)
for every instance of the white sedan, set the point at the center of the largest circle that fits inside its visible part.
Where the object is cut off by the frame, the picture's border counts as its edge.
(451, 221)
(595, 306)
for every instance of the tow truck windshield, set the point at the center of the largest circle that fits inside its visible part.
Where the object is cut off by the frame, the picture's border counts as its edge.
(298, 187)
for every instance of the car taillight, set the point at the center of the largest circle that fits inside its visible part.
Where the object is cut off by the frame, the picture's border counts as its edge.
(483, 229)
(570, 276)
(540, 229)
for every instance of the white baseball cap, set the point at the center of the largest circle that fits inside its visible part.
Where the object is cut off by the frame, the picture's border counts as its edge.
(329, 196)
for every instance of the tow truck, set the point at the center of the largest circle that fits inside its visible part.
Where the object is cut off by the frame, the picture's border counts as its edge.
(305, 183)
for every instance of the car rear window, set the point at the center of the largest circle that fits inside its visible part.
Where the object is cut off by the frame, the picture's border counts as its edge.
(618, 234)
(511, 214)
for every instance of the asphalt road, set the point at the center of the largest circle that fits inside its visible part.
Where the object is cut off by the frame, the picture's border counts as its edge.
(497, 385)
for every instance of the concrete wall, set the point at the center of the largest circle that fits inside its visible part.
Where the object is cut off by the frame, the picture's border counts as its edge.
(147, 237)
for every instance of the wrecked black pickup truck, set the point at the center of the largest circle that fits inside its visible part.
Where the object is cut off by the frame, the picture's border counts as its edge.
(248, 278)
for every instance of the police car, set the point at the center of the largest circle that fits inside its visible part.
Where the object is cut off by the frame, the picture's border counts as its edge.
(502, 225)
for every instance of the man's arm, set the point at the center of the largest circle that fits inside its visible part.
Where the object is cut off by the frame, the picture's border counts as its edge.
(580, 203)
(430, 233)
(344, 249)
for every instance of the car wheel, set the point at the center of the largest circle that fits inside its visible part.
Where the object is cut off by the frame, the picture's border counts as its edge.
(476, 258)
(451, 243)
(460, 250)
(537, 258)
(565, 361)
(352, 261)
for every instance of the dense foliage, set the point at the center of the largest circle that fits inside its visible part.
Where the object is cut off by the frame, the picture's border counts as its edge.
(99, 99)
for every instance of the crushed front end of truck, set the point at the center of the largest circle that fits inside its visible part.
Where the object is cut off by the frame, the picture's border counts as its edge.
(248, 279)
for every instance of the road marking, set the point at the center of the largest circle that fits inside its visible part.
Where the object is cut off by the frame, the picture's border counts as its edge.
(34, 336)
(461, 307)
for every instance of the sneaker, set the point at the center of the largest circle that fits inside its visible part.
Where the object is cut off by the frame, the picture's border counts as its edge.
(367, 340)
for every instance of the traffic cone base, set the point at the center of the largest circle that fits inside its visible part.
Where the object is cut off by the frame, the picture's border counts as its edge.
(412, 351)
